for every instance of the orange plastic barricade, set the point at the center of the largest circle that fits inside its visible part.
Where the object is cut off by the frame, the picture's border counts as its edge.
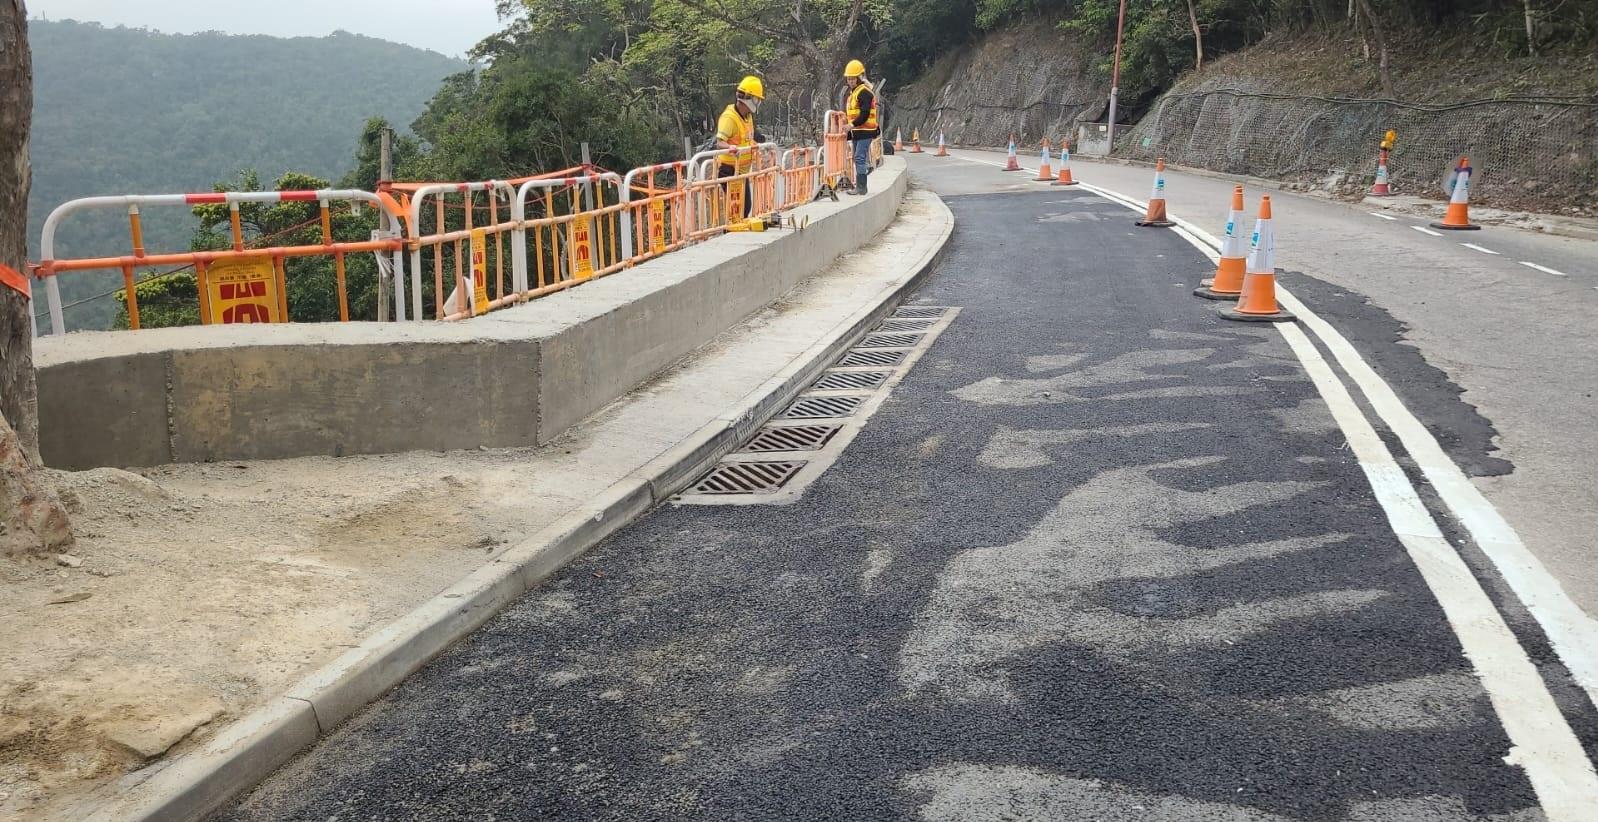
(715, 202)
(239, 284)
(654, 216)
(835, 148)
(452, 248)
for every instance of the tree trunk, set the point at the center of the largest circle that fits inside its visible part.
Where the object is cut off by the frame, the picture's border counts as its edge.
(1198, 36)
(1531, 30)
(32, 520)
(1381, 46)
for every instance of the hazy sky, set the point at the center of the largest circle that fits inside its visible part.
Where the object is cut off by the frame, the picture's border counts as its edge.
(447, 26)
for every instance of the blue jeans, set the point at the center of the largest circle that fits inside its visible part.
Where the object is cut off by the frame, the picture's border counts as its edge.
(862, 158)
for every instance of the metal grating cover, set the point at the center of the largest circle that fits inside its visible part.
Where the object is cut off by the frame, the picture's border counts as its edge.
(919, 311)
(890, 340)
(812, 408)
(850, 380)
(906, 325)
(792, 438)
(747, 477)
(859, 358)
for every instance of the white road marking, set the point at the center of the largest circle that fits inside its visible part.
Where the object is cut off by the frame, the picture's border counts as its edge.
(1474, 247)
(1544, 269)
(1424, 230)
(1545, 746)
(1384, 216)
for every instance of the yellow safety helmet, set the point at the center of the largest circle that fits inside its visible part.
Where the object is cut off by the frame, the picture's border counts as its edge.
(854, 69)
(752, 86)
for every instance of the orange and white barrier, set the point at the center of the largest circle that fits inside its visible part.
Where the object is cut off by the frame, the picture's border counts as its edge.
(943, 148)
(1045, 170)
(1228, 281)
(1458, 216)
(1258, 300)
(236, 285)
(1065, 165)
(1012, 163)
(1155, 216)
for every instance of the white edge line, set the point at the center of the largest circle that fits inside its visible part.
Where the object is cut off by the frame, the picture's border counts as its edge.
(1424, 230)
(1572, 632)
(1384, 216)
(1544, 269)
(1474, 247)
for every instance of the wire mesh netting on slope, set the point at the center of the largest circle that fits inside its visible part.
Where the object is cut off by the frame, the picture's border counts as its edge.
(1531, 152)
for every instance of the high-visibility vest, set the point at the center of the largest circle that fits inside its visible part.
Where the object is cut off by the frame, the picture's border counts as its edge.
(741, 133)
(854, 109)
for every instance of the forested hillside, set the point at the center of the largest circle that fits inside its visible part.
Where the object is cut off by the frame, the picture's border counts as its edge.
(120, 110)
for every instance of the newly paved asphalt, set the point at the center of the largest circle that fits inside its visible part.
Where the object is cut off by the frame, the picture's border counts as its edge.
(1101, 556)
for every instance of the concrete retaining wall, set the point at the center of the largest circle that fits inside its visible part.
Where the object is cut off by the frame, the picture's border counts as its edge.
(515, 377)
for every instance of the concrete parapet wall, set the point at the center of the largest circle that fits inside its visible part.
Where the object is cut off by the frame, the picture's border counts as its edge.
(512, 378)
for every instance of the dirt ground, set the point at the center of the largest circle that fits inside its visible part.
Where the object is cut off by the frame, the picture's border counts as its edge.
(205, 589)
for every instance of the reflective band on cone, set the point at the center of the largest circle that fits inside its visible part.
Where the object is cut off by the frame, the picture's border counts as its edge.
(1228, 281)
(1045, 171)
(1012, 163)
(1065, 166)
(1258, 302)
(1458, 216)
(1155, 217)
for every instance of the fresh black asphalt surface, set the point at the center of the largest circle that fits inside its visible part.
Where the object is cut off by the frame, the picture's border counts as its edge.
(1101, 556)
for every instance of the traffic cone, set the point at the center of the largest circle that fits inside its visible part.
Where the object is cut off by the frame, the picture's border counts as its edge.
(1228, 281)
(943, 150)
(1381, 188)
(1045, 171)
(1013, 163)
(1258, 302)
(915, 141)
(1065, 165)
(898, 141)
(1155, 217)
(1458, 216)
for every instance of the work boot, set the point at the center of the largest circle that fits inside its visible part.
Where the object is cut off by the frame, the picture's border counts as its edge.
(860, 184)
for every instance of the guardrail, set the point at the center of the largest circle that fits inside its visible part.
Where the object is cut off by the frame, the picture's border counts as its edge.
(562, 229)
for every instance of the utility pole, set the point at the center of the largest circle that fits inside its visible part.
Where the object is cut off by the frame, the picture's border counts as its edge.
(385, 175)
(1115, 75)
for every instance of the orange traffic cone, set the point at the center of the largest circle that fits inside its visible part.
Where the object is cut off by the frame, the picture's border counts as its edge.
(1458, 216)
(943, 150)
(1045, 171)
(1065, 165)
(1156, 212)
(1228, 281)
(898, 141)
(1381, 188)
(1013, 163)
(915, 141)
(1258, 303)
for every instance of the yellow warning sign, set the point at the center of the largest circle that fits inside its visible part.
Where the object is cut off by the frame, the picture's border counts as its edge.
(735, 201)
(479, 271)
(657, 226)
(583, 248)
(242, 290)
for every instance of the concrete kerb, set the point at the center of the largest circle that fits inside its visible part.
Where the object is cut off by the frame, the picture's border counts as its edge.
(249, 750)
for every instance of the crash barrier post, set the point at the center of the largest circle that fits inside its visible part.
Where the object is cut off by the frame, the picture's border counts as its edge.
(241, 284)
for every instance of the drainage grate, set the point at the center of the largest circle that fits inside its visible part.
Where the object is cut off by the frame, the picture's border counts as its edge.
(906, 325)
(858, 358)
(919, 311)
(812, 408)
(747, 478)
(890, 340)
(792, 438)
(849, 380)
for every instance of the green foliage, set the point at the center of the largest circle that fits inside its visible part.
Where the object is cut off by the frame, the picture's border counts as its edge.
(122, 111)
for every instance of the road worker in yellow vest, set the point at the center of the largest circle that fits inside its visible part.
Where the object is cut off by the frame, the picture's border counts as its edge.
(736, 130)
(863, 126)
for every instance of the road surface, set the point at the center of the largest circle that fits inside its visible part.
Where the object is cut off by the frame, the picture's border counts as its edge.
(1095, 554)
